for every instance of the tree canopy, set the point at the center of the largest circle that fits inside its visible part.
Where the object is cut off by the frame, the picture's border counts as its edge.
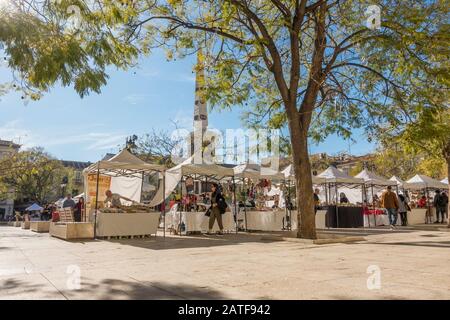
(312, 66)
(33, 175)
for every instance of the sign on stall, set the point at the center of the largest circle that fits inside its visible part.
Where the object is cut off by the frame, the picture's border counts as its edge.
(104, 183)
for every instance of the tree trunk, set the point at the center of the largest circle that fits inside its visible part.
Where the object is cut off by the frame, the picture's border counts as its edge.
(306, 224)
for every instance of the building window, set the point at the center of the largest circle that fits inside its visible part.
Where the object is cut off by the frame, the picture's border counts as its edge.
(78, 177)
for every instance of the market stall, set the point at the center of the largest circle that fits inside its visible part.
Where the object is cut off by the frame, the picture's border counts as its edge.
(373, 185)
(425, 186)
(122, 215)
(267, 214)
(343, 212)
(289, 176)
(244, 174)
(34, 208)
(190, 212)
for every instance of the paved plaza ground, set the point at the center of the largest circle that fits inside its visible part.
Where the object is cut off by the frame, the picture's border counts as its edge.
(413, 264)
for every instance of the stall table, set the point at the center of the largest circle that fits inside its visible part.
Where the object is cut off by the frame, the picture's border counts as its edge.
(417, 216)
(72, 230)
(25, 225)
(320, 219)
(265, 220)
(198, 222)
(375, 218)
(348, 217)
(127, 224)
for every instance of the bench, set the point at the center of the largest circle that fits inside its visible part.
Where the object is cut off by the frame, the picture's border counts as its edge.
(40, 226)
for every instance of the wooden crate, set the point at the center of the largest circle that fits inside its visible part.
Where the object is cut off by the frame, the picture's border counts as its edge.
(72, 230)
(25, 225)
(40, 226)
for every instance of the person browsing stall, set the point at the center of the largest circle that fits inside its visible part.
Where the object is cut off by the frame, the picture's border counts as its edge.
(69, 202)
(114, 199)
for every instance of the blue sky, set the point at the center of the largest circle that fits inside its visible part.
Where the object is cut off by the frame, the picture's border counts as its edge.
(133, 102)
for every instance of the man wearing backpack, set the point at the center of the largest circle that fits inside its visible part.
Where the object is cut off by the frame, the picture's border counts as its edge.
(440, 203)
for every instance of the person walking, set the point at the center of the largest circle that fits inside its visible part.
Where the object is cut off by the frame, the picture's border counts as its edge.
(440, 203)
(389, 202)
(403, 208)
(218, 207)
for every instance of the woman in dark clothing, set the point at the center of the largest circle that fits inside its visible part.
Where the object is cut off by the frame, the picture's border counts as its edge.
(343, 198)
(218, 207)
(79, 207)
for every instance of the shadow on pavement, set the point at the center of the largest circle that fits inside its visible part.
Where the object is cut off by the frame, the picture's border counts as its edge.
(113, 289)
(433, 244)
(191, 241)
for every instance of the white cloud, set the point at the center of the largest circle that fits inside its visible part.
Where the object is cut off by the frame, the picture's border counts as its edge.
(185, 78)
(14, 130)
(184, 119)
(137, 98)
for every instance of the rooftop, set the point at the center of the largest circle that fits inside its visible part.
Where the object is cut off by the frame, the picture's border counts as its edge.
(77, 165)
(7, 143)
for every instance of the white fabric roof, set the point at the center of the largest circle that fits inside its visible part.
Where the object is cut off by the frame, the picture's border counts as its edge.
(445, 180)
(289, 174)
(420, 181)
(372, 178)
(269, 173)
(334, 175)
(174, 175)
(188, 167)
(397, 180)
(249, 171)
(124, 160)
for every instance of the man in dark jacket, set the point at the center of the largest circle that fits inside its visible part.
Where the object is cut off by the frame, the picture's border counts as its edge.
(440, 202)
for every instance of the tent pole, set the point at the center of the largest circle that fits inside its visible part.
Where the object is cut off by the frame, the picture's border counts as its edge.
(96, 201)
(181, 202)
(337, 203)
(245, 204)
(164, 203)
(373, 205)
(429, 215)
(285, 205)
(290, 201)
(236, 210)
(142, 186)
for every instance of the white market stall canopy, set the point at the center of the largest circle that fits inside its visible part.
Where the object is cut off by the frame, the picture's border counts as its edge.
(174, 175)
(420, 181)
(445, 180)
(269, 173)
(334, 175)
(189, 168)
(372, 179)
(123, 163)
(397, 180)
(121, 174)
(247, 171)
(289, 174)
